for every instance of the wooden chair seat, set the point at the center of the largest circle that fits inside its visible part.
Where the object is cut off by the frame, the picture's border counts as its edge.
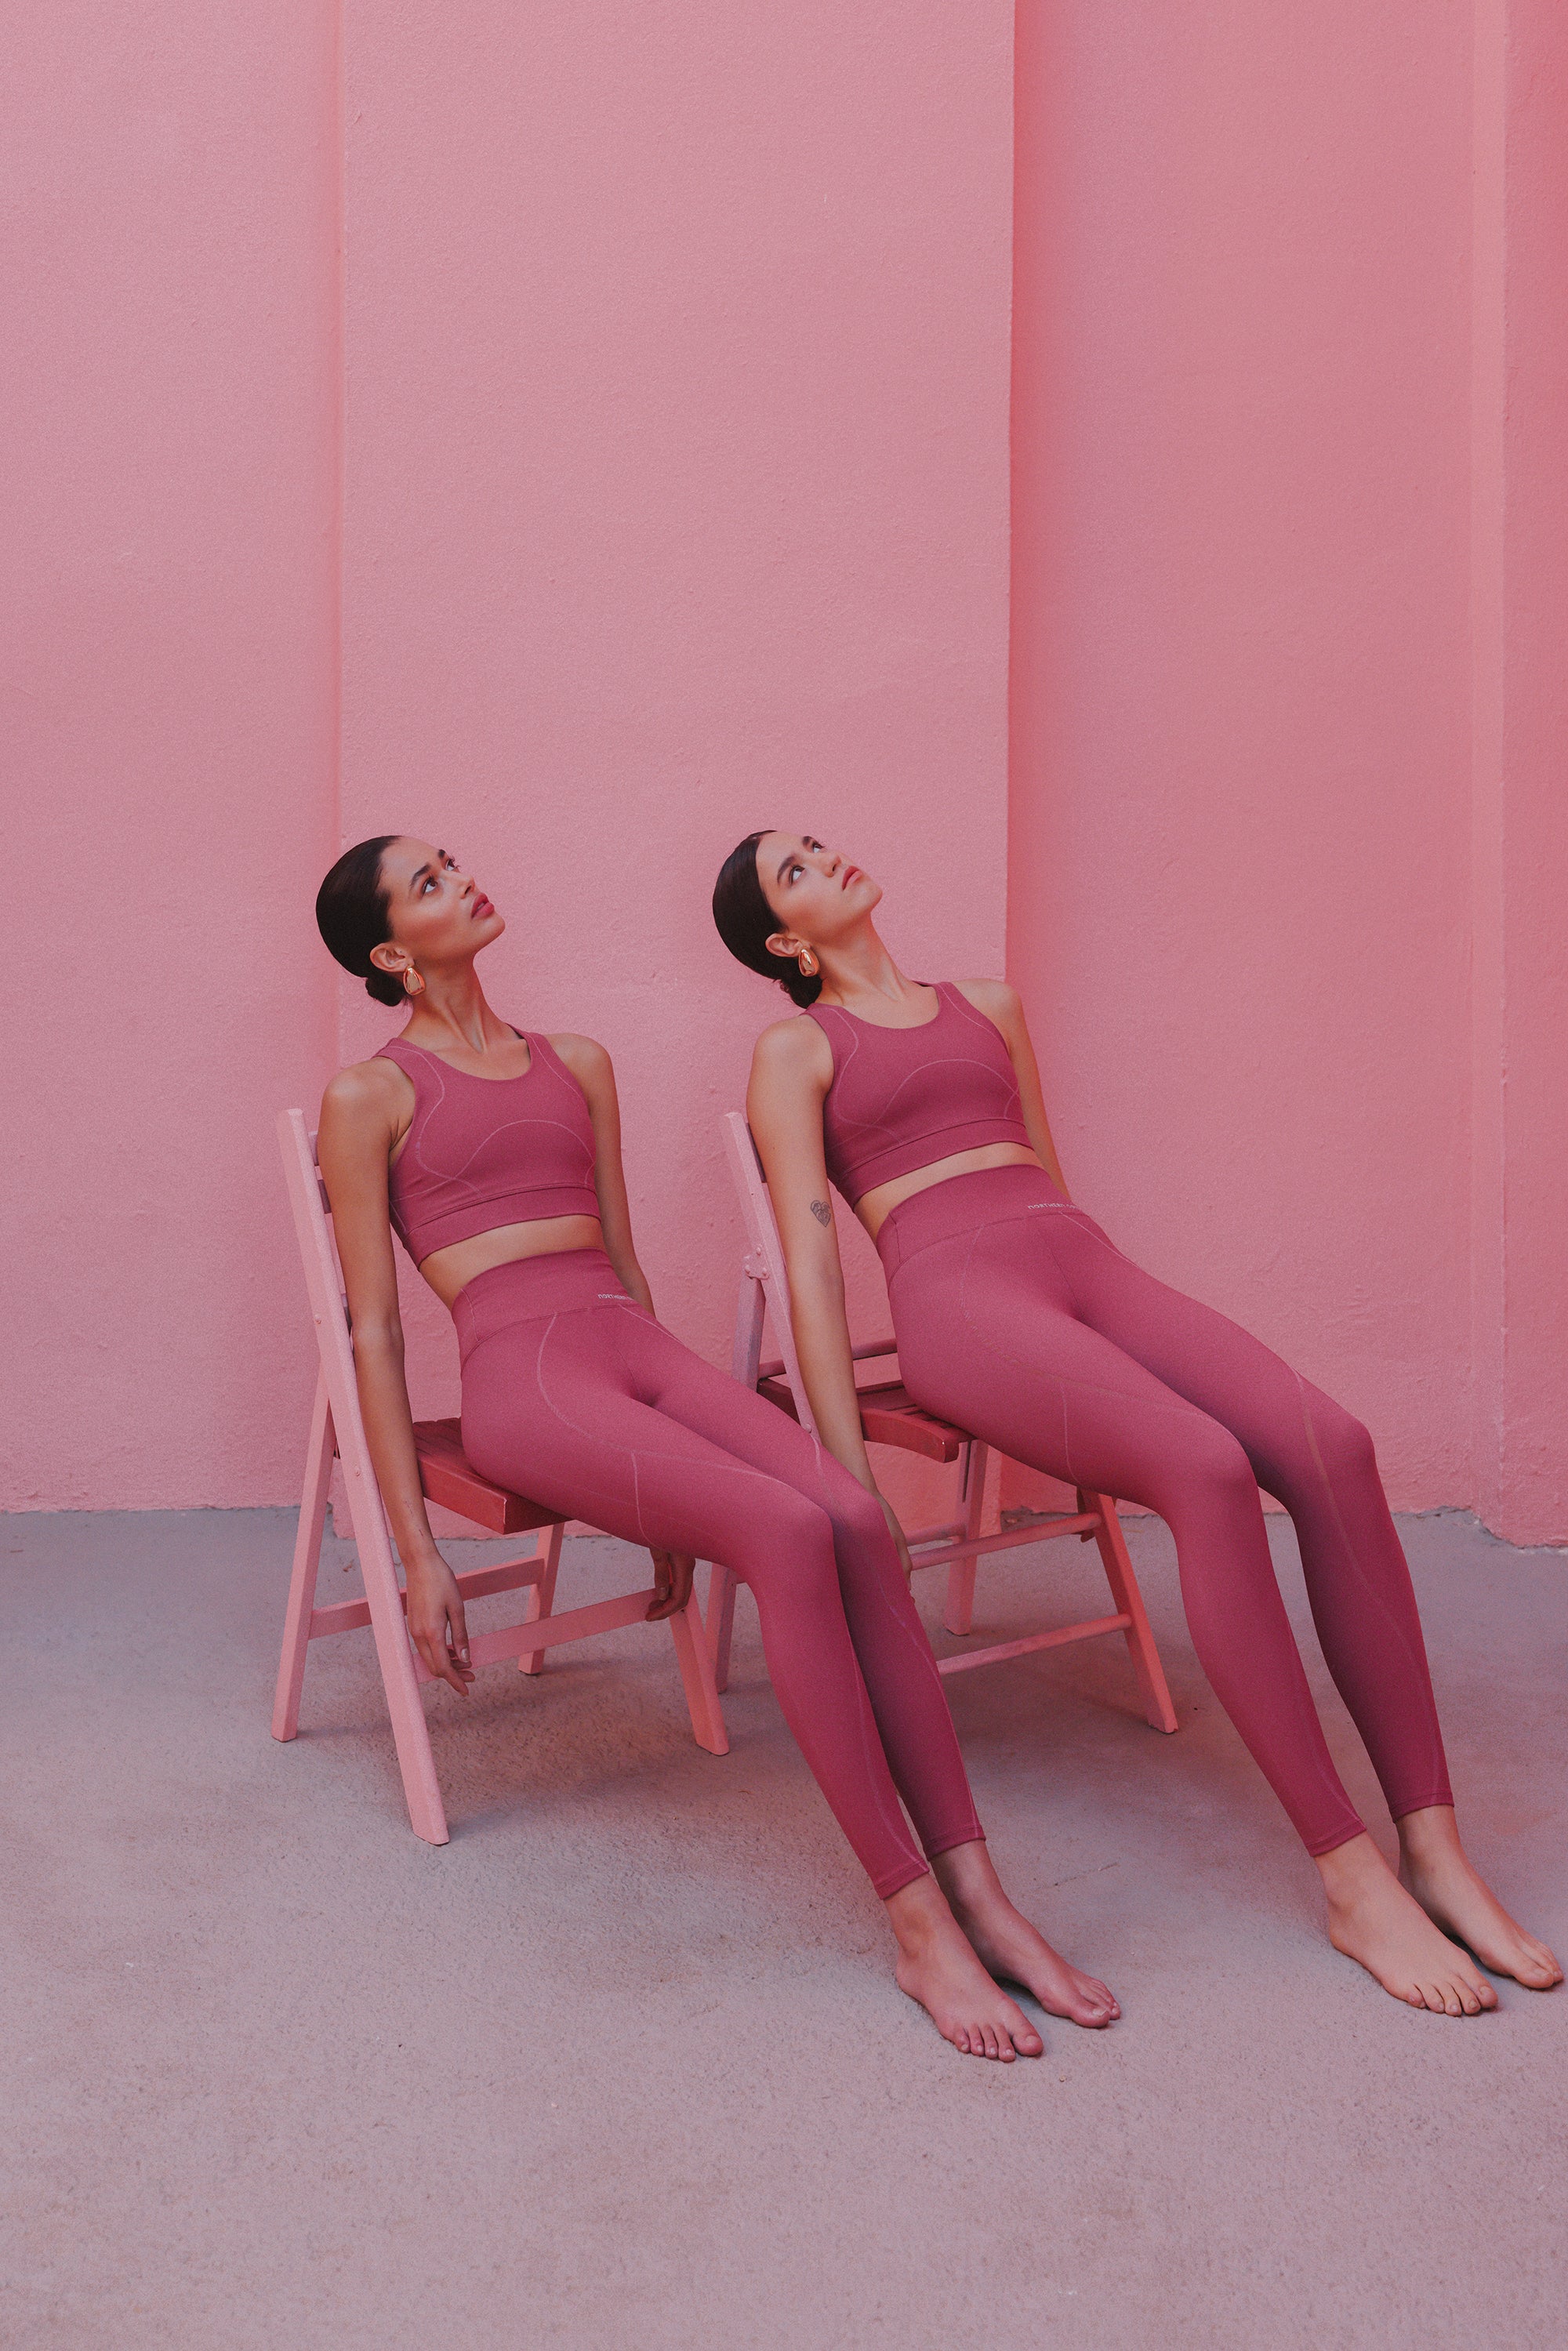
(889, 1416)
(447, 1477)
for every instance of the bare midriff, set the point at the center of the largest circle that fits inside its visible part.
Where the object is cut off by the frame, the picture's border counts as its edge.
(452, 1268)
(874, 1207)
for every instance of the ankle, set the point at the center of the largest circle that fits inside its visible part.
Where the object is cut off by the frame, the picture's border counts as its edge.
(1430, 1835)
(918, 1915)
(967, 1874)
(1353, 1869)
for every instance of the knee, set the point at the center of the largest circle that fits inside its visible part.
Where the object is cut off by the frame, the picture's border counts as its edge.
(1218, 1462)
(1345, 1444)
(795, 1531)
(860, 1514)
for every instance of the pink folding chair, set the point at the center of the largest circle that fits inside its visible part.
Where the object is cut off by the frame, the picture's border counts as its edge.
(889, 1416)
(338, 1432)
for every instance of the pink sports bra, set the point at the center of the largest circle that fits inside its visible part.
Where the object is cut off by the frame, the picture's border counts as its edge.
(903, 1097)
(483, 1152)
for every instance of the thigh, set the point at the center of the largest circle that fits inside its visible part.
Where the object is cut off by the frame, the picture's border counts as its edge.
(986, 1338)
(715, 1405)
(559, 1410)
(1282, 1420)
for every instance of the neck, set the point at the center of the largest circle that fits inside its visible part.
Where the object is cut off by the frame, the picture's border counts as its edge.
(859, 971)
(453, 1012)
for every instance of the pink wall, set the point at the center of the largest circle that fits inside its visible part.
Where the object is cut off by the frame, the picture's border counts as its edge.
(169, 577)
(677, 502)
(675, 499)
(1253, 848)
(646, 476)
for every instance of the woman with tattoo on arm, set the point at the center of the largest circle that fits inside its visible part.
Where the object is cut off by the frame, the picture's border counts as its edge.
(1017, 1318)
(495, 1155)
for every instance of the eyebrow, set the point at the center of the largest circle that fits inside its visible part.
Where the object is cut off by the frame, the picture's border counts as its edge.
(414, 879)
(790, 860)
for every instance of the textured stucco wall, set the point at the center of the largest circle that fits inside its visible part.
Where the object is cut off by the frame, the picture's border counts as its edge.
(168, 571)
(1282, 892)
(677, 504)
(642, 474)
(670, 416)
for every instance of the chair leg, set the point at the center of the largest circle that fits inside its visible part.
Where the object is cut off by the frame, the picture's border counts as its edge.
(720, 1629)
(1158, 1711)
(394, 1655)
(958, 1615)
(697, 1676)
(307, 1560)
(541, 1598)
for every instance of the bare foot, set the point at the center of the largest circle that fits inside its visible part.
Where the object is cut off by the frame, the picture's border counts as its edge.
(937, 1968)
(1009, 1947)
(1373, 1919)
(1435, 1867)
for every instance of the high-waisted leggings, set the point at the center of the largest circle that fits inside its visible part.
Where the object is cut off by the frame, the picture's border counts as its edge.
(576, 1396)
(1018, 1319)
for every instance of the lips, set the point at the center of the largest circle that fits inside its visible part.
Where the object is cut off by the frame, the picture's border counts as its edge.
(852, 874)
(481, 907)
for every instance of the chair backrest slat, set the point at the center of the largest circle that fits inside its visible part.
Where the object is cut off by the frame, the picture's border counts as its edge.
(323, 1282)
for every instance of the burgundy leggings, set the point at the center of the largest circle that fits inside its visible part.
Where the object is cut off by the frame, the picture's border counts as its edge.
(1017, 1318)
(574, 1396)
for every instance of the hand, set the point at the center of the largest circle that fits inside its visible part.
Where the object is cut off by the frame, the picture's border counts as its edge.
(899, 1544)
(673, 1574)
(436, 1624)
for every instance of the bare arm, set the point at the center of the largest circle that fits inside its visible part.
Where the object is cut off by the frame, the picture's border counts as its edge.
(591, 1066)
(1000, 1004)
(363, 1113)
(791, 1070)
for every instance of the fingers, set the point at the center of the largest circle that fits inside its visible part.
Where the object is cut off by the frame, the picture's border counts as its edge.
(673, 1574)
(444, 1661)
(459, 1623)
(663, 1603)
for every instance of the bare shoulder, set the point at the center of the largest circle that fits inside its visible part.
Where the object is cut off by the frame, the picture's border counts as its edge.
(994, 998)
(793, 1053)
(366, 1089)
(586, 1058)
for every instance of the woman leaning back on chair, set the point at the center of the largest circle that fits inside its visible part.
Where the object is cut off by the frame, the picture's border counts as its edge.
(1017, 1318)
(495, 1155)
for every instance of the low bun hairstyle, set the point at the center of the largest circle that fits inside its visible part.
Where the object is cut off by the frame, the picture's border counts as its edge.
(351, 915)
(745, 922)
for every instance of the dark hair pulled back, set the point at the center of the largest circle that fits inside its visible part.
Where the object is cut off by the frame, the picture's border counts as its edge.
(745, 922)
(351, 915)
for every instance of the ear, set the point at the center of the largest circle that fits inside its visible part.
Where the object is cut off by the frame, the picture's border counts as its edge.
(386, 957)
(784, 944)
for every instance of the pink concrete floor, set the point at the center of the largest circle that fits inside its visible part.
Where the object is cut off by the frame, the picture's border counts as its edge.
(623, 2064)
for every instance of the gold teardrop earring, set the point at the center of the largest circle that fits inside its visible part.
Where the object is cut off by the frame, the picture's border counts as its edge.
(412, 985)
(808, 962)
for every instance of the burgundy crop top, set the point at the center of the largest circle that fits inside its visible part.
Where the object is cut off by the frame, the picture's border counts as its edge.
(483, 1152)
(903, 1097)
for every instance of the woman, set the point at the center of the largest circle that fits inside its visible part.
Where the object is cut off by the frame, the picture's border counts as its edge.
(1017, 1318)
(495, 1156)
